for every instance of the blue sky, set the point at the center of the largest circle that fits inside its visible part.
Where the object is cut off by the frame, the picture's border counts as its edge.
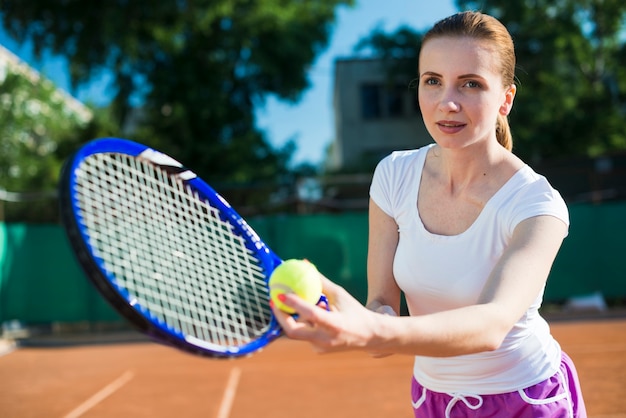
(310, 121)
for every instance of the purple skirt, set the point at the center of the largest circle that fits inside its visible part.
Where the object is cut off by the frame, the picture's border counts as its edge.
(556, 397)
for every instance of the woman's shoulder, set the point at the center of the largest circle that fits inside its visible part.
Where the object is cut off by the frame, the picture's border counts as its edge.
(530, 179)
(529, 193)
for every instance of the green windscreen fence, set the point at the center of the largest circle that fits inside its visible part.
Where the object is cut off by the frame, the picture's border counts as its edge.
(41, 282)
(593, 256)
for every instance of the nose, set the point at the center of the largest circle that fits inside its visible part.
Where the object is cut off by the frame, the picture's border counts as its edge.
(449, 101)
(450, 106)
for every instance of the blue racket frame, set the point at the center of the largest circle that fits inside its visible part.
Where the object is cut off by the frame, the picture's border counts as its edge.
(106, 282)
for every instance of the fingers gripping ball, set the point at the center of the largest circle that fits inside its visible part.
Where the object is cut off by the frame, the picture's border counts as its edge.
(295, 276)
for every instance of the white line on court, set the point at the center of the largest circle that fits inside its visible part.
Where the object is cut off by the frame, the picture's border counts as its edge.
(101, 395)
(229, 393)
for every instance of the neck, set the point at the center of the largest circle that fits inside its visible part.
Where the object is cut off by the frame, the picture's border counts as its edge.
(460, 168)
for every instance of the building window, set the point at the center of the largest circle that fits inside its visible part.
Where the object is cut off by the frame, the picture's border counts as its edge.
(382, 101)
(395, 100)
(370, 101)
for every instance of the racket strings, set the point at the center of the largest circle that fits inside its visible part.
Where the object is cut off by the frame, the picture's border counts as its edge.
(171, 251)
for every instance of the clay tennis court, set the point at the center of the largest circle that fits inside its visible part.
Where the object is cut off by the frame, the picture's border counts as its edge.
(111, 378)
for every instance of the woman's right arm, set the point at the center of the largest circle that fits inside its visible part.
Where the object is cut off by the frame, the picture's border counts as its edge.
(382, 243)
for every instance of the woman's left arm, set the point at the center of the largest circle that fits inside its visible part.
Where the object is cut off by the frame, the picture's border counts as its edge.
(521, 273)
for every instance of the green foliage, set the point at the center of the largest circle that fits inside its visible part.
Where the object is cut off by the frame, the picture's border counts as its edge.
(189, 74)
(37, 121)
(398, 50)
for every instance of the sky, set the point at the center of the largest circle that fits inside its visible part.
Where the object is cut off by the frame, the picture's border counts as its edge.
(309, 122)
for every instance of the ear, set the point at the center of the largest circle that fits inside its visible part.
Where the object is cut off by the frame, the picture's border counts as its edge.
(509, 96)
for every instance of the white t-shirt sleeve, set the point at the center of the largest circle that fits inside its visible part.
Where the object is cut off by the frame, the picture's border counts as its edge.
(380, 190)
(535, 199)
(396, 179)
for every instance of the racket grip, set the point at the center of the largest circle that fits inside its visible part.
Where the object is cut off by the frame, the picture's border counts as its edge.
(324, 300)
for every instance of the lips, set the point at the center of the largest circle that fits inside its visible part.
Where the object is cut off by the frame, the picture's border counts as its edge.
(450, 127)
(450, 124)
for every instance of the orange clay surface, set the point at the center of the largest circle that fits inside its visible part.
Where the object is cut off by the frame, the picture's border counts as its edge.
(144, 379)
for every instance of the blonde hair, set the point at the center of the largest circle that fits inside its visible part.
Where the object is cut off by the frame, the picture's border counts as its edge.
(483, 27)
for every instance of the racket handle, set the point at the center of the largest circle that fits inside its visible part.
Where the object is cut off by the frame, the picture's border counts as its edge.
(324, 300)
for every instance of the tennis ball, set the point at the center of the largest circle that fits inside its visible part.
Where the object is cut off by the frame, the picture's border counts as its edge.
(295, 276)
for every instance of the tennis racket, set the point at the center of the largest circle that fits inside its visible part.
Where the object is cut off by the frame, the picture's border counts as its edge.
(167, 251)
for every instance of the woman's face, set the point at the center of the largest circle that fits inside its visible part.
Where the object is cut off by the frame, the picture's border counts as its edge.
(461, 90)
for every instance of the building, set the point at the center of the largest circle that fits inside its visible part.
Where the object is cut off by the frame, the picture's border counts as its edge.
(373, 115)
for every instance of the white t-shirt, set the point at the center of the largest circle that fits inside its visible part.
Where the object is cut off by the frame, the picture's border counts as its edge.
(438, 273)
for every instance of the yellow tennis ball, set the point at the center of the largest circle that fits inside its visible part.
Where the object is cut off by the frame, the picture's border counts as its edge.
(295, 276)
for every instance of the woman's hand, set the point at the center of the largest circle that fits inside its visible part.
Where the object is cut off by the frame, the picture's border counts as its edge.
(348, 325)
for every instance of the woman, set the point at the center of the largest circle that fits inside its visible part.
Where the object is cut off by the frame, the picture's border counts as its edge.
(469, 233)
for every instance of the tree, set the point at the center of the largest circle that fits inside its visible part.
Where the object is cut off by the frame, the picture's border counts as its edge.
(398, 49)
(188, 74)
(37, 120)
(571, 59)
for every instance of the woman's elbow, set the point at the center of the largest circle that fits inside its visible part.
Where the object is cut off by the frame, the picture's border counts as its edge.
(495, 334)
(492, 341)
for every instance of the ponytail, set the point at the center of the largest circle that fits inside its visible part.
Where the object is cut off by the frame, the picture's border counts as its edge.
(503, 132)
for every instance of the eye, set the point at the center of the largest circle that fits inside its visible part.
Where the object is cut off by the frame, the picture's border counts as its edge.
(472, 84)
(431, 81)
